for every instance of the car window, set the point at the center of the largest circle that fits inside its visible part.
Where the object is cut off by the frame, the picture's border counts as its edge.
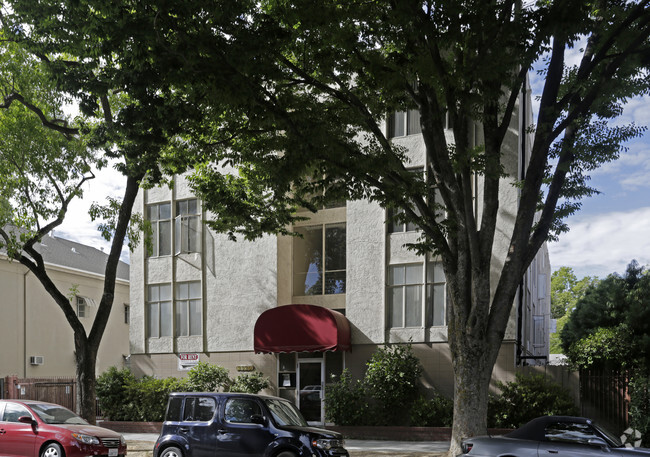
(569, 432)
(199, 409)
(240, 410)
(174, 409)
(55, 414)
(13, 411)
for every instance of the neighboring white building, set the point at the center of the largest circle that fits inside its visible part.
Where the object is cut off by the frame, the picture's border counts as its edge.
(36, 338)
(199, 296)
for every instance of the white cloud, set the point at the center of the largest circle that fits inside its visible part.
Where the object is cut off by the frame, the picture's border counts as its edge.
(77, 225)
(605, 243)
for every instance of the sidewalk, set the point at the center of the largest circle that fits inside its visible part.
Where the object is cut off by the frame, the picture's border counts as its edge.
(141, 445)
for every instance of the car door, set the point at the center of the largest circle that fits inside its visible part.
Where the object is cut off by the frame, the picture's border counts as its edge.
(198, 425)
(240, 432)
(571, 439)
(16, 438)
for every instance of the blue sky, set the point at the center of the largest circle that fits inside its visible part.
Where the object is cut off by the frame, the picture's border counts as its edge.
(610, 230)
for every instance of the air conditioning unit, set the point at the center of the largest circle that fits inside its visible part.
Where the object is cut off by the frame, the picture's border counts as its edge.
(36, 360)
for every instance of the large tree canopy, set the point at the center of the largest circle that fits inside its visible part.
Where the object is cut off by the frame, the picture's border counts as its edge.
(294, 94)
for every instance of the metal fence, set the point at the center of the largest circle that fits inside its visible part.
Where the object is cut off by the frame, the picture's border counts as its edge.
(605, 397)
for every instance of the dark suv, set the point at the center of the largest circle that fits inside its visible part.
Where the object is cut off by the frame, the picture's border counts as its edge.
(233, 424)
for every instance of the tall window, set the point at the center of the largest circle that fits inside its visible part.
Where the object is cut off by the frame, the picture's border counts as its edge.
(159, 310)
(188, 308)
(187, 226)
(408, 306)
(160, 216)
(81, 307)
(127, 314)
(319, 259)
(401, 123)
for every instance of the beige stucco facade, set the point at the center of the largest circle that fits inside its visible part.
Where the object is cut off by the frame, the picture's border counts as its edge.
(33, 325)
(240, 280)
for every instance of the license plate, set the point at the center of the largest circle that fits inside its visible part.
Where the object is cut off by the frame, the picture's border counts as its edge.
(112, 452)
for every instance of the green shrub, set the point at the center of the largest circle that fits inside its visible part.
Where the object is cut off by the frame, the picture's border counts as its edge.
(149, 397)
(432, 412)
(391, 380)
(205, 377)
(112, 392)
(250, 383)
(640, 406)
(526, 398)
(346, 401)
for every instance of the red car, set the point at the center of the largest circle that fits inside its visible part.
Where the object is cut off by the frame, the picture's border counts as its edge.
(38, 429)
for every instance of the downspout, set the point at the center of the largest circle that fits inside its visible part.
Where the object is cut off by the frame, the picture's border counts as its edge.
(25, 323)
(522, 161)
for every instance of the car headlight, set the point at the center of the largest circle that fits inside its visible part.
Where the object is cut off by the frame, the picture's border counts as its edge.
(122, 440)
(327, 443)
(86, 439)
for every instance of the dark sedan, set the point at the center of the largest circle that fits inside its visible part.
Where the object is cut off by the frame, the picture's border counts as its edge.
(557, 436)
(39, 429)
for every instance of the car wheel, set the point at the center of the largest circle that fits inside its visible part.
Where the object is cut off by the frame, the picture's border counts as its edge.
(52, 450)
(286, 454)
(172, 452)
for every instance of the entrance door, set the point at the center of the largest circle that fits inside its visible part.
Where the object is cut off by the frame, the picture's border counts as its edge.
(311, 381)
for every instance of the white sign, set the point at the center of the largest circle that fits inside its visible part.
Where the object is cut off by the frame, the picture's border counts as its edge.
(187, 360)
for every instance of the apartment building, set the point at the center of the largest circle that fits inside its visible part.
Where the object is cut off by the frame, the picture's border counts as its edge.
(36, 338)
(300, 310)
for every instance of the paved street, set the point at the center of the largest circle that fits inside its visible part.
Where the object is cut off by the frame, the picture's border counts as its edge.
(141, 445)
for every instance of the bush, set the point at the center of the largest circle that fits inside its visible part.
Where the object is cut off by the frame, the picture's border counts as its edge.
(345, 401)
(433, 412)
(250, 383)
(112, 388)
(205, 377)
(526, 398)
(391, 380)
(640, 406)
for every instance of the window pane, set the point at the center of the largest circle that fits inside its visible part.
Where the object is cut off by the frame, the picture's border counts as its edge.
(195, 317)
(308, 261)
(192, 206)
(152, 212)
(154, 293)
(335, 247)
(414, 274)
(394, 226)
(435, 273)
(182, 289)
(181, 207)
(413, 306)
(395, 306)
(436, 305)
(165, 238)
(194, 289)
(413, 122)
(204, 409)
(165, 211)
(396, 275)
(165, 291)
(396, 124)
(174, 409)
(335, 282)
(182, 324)
(153, 320)
(166, 318)
(154, 240)
(193, 234)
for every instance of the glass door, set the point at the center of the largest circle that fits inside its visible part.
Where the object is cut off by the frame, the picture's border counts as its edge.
(310, 387)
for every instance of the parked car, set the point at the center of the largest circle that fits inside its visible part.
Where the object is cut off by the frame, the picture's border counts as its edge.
(234, 424)
(39, 429)
(556, 436)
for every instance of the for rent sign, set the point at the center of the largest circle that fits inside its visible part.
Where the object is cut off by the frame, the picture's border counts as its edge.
(187, 360)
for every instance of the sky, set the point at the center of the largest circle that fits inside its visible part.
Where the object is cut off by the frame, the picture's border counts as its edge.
(606, 234)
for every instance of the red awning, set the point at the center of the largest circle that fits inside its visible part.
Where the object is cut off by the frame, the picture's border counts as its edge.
(301, 328)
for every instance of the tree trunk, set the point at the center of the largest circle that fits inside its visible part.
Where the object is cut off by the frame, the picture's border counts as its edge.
(85, 358)
(472, 373)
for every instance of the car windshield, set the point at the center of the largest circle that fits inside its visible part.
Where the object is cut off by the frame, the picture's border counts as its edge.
(285, 413)
(53, 414)
(614, 441)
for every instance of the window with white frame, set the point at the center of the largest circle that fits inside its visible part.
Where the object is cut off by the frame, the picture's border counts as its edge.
(403, 123)
(408, 304)
(81, 307)
(160, 215)
(319, 260)
(188, 308)
(187, 226)
(159, 310)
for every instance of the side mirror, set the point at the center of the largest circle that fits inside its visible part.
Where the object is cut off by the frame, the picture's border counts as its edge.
(598, 442)
(258, 419)
(27, 420)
